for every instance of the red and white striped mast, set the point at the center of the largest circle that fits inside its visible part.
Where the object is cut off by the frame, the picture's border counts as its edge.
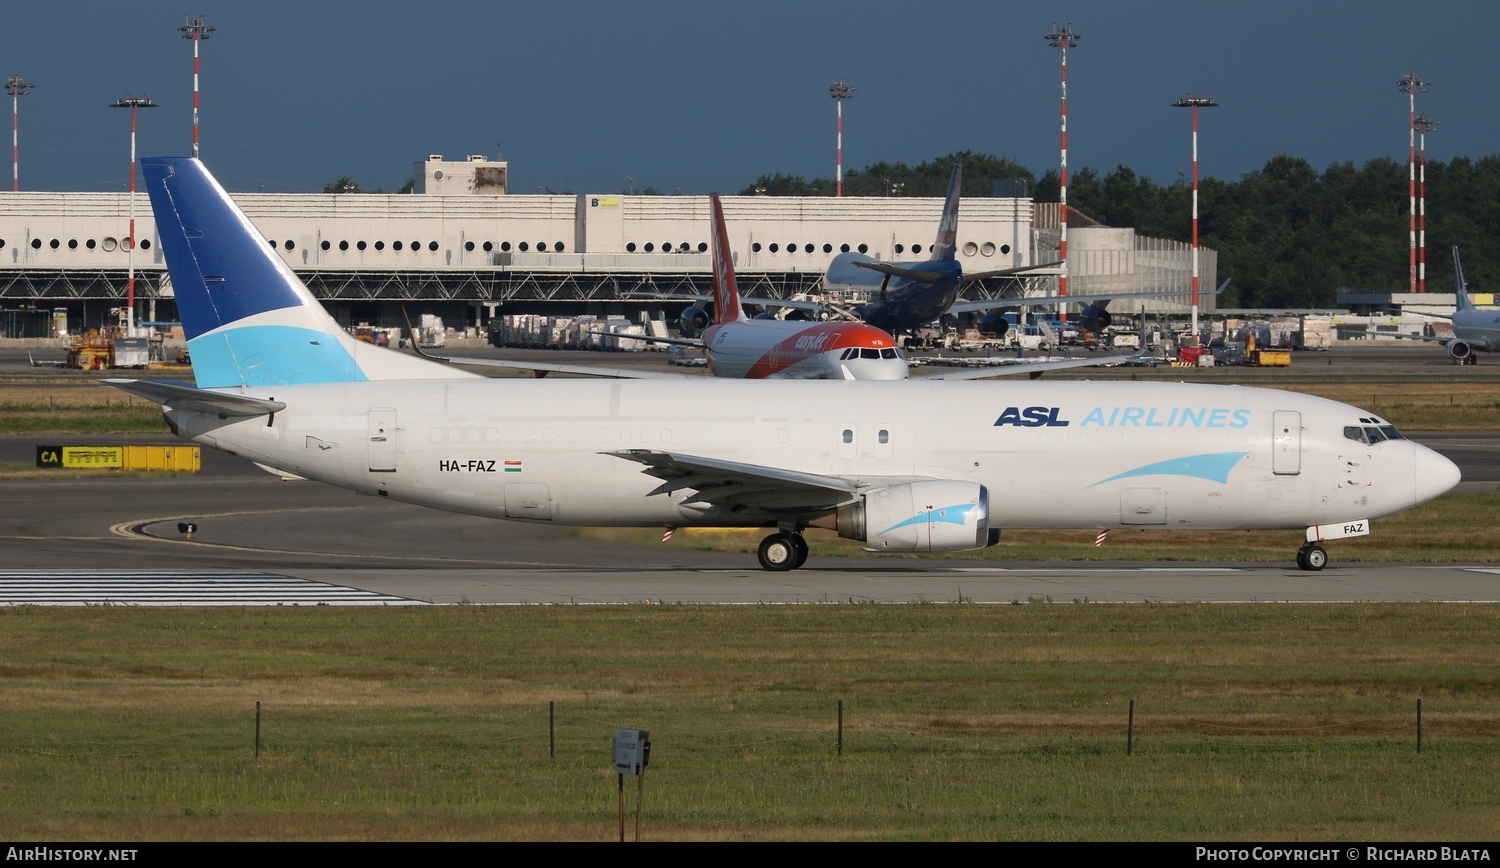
(132, 103)
(1409, 85)
(1424, 124)
(17, 87)
(197, 31)
(840, 90)
(1195, 103)
(1063, 38)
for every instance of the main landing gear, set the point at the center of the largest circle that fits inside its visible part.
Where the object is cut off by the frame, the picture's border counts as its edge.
(782, 551)
(1312, 557)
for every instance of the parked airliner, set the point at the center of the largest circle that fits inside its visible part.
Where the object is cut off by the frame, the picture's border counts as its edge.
(900, 466)
(1474, 328)
(744, 348)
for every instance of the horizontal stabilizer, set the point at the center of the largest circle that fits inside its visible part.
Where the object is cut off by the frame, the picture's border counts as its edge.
(898, 271)
(180, 397)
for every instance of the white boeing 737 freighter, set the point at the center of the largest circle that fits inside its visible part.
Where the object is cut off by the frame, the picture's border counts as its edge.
(902, 466)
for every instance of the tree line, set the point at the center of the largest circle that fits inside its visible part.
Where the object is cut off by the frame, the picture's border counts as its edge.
(1289, 235)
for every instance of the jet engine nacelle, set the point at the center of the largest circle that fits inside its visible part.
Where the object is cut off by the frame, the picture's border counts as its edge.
(935, 515)
(1096, 319)
(1459, 350)
(693, 321)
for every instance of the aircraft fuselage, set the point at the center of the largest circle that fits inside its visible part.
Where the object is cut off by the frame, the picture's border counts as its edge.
(1052, 455)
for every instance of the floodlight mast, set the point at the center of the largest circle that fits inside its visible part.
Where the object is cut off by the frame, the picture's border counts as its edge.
(17, 87)
(1195, 103)
(1063, 38)
(1424, 124)
(132, 103)
(840, 91)
(1409, 85)
(197, 31)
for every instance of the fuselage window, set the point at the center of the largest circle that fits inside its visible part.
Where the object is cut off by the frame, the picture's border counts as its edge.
(883, 436)
(848, 435)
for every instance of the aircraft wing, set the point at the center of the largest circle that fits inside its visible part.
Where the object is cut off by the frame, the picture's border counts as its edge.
(678, 342)
(1030, 368)
(753, 301)
(1005, 272)
(180, 397)
(733, 483)
(989, 304)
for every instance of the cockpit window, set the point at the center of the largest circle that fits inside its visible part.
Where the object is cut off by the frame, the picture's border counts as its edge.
(1372, 433)
(888, 353)
(868, 353)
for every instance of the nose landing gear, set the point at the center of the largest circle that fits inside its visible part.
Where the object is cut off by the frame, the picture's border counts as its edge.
(1312, 557)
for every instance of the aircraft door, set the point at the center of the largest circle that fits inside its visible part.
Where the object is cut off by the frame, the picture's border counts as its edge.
(1286, 443)
(382, 433)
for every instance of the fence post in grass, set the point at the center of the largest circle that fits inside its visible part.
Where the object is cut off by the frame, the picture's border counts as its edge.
(257, 729)
(1419, 724)
(552, 729)
(841, 727)
(1130, 729)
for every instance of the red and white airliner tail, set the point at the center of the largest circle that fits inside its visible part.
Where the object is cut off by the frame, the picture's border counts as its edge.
(726, 292)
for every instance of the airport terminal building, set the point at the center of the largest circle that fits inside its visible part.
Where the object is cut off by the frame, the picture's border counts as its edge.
(463, 247)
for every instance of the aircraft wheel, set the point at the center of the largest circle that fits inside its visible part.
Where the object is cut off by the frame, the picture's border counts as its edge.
(778, 553)
(1312, 558)
(800, 546)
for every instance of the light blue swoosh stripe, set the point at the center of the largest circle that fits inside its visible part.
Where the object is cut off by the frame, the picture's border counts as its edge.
(943, 515)
(1214, 467)
(270, 355)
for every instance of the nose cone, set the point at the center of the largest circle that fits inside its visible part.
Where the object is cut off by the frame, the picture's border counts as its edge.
(1433, 474)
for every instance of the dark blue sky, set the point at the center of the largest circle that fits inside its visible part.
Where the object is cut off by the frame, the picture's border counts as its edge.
(697, 97)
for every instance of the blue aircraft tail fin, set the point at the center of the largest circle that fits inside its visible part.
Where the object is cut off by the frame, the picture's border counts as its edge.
(946, 246)
(1460, 287)
(248, 319)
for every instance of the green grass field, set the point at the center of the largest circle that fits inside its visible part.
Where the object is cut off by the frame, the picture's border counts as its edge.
(1251, 723)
